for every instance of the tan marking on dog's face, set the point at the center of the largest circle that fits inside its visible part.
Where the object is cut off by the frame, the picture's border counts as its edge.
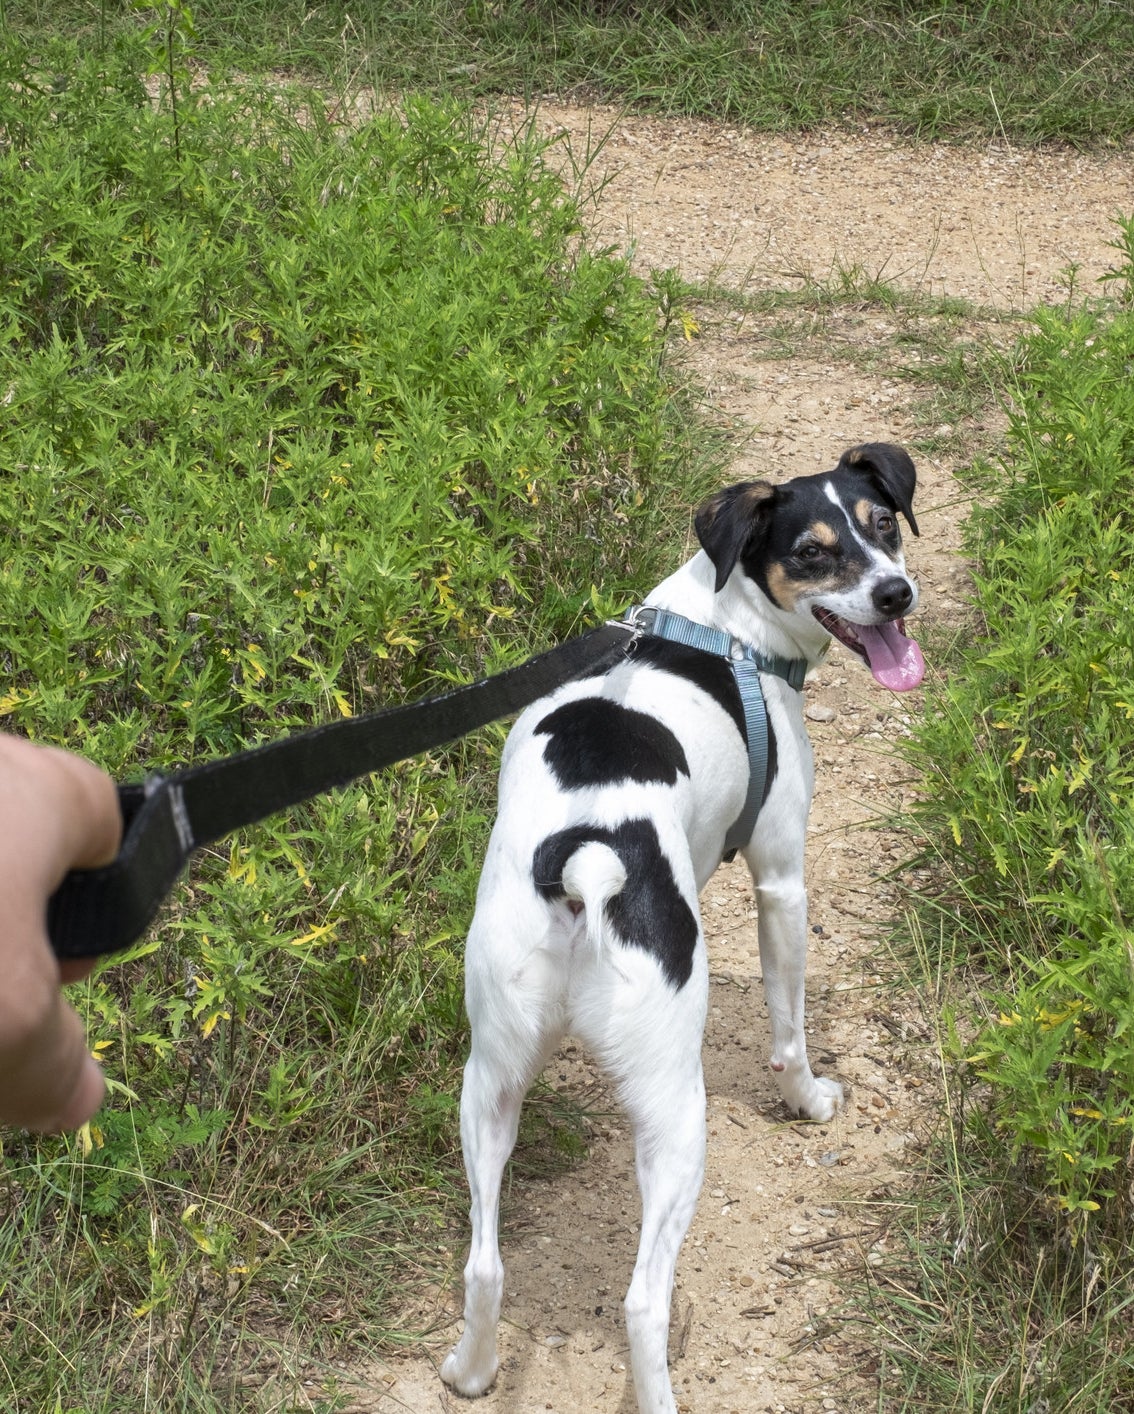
(878, 525)
(787, 588)
(821, 563)
(783, 589)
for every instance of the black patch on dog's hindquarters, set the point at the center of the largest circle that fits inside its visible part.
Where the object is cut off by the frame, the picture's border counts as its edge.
(650, 913)
(593, 741)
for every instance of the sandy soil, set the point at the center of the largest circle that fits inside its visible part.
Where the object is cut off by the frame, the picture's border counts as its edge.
(787, 1208)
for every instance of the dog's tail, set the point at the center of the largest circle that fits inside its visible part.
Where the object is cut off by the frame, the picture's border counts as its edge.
(592, 876)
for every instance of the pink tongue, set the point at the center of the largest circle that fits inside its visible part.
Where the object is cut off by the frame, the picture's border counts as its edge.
(894, 659)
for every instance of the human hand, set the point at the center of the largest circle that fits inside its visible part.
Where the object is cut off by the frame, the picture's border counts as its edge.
(57, 812)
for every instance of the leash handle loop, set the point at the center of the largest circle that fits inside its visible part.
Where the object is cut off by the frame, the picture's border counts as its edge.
(96, 911)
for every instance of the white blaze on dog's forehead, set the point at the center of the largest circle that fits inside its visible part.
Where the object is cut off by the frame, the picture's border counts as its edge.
(832, 493)
(879, 555)
(833, 496)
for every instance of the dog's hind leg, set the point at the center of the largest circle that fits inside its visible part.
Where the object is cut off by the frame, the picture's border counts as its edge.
(670, 1161)
(512, 1000)
(652, 1048)
(490, 1117)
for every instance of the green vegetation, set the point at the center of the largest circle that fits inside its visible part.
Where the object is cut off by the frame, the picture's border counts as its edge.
(1029, 69)
(298, 419)
(1015, 1291)
(1038, 799)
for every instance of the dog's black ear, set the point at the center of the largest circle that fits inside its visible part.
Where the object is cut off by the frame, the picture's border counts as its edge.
(892, 471)
(729, 520)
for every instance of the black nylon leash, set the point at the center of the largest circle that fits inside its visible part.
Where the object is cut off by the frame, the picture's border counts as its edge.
(99, 911)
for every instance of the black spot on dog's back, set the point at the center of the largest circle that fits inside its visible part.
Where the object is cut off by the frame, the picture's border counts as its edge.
(715, 677)
(707, 671)
(595, 742)
(650, 913)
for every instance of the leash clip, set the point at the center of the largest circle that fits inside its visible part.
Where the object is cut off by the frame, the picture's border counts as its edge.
(637, 622)
(639, 617)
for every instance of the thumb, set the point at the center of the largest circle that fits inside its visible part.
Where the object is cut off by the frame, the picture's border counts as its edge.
(51, 1080)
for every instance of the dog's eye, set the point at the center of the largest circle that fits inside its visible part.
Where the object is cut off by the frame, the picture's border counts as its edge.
(811, 552)
(885, 524)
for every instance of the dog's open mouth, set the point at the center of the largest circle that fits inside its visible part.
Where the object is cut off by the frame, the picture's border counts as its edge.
(894, 659)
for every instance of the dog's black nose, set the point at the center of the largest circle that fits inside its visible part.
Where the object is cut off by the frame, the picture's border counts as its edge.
(893, 596)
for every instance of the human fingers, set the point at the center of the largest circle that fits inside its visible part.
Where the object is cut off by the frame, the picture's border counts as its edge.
(57, 812)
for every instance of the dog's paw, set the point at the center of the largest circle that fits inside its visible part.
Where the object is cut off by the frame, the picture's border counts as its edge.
(813, 1096)
(468, 1376)
(825, 1101)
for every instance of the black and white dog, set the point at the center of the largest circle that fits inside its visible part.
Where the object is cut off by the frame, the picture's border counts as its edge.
(617, 793)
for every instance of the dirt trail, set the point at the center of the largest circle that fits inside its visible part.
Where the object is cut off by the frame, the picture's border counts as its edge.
(755, 1319)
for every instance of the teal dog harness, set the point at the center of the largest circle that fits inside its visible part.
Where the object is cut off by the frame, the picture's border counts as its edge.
(747, 664)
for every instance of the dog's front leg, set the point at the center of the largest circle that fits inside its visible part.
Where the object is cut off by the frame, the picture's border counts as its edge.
(782, 922)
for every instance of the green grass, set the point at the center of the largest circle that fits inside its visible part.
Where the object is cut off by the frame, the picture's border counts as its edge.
(299, 419)
(1027, 747)
(1030, 70)
(1012, 1289)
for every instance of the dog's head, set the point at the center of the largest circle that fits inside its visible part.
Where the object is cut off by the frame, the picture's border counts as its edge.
(828, 548)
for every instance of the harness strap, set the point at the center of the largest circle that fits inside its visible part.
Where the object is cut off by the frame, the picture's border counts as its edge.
(747, 664)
